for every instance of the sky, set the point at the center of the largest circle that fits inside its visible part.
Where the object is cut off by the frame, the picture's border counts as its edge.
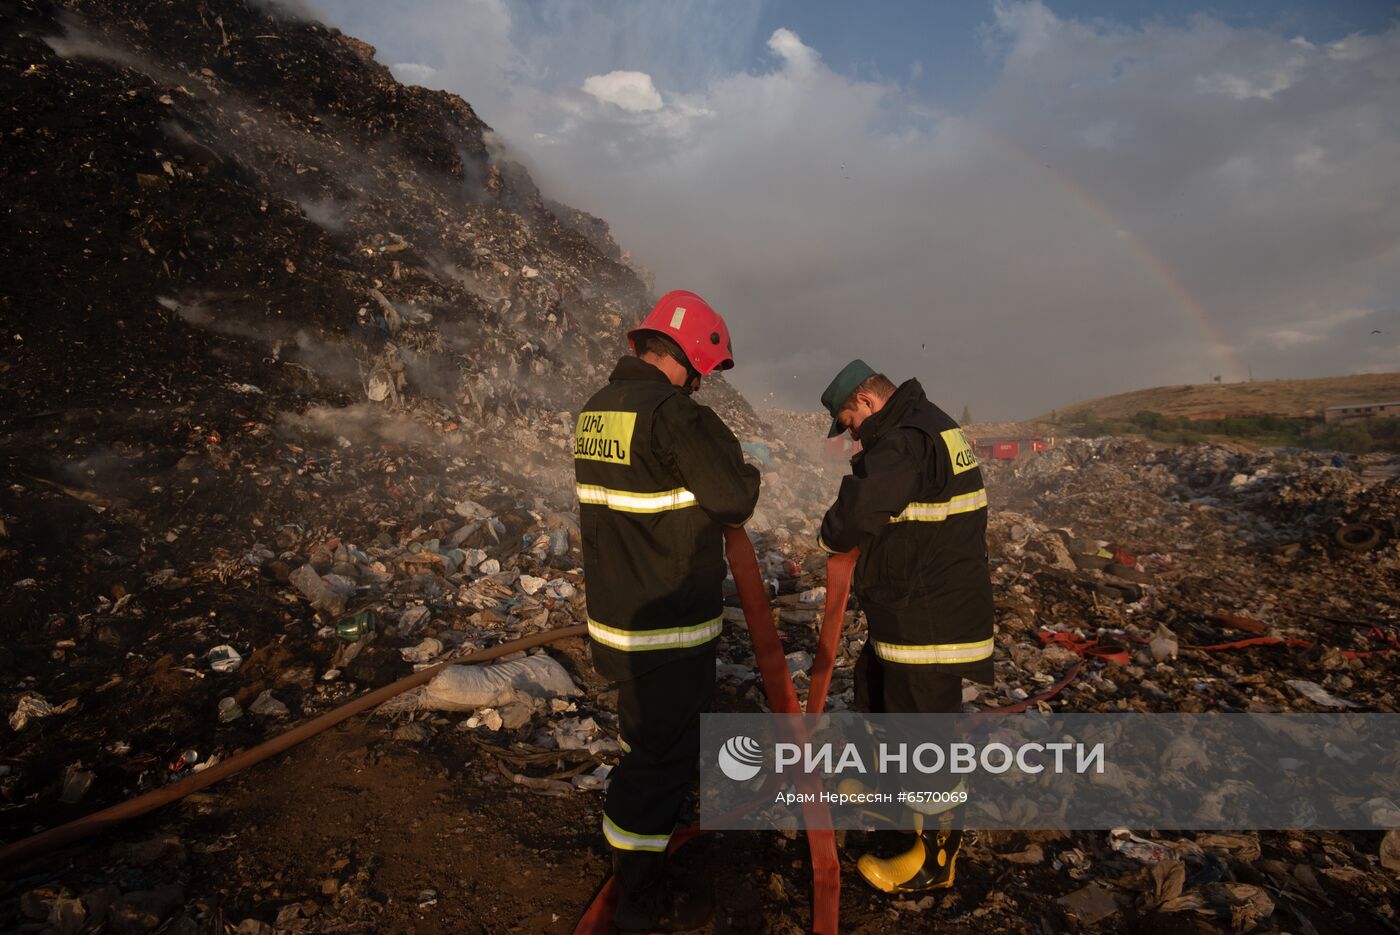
(1022, 204)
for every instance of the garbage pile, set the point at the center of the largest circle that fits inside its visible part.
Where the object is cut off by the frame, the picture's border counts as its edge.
(1124, 577)
(293, 356)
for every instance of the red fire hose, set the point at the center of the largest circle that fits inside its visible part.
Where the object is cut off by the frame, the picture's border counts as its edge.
(782, 699)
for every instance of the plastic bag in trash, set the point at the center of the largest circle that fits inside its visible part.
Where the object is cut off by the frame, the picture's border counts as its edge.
(466, 688)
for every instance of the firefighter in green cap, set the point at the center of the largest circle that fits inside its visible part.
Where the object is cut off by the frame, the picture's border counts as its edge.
(915, 505)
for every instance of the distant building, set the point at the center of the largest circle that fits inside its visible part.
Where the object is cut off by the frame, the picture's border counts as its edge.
(1353, 411)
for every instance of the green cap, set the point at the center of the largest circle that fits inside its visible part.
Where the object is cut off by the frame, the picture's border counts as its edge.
(840, 389)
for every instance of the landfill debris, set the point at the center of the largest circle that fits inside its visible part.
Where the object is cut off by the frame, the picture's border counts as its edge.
(224, 658)
(355, 627)
(31, 706)
(489, 718)
(425, 651)
(267, 705)
(341, 338)
(1390, 851)
(465, 688)
(1163, 645)
(1140, 849)
(76, 783)
(1318, 695)
(1091, 903)
(413, 619)
(329, 592)
(229, 710)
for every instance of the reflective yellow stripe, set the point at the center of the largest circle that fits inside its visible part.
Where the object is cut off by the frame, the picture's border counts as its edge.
(629, 501)
(642, 640)
(627, 841)
(933, 652)
(938, 512)
(821, 544)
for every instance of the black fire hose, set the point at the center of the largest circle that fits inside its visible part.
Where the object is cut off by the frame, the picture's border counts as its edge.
(13, 855)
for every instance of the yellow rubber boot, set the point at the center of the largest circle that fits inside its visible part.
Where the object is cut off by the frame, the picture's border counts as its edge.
(889, 874)
(928, 865)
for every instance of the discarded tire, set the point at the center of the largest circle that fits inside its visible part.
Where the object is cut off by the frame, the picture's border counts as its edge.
(1358, 537)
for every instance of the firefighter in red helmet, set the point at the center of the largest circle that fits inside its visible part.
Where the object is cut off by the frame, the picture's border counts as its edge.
(658, 477)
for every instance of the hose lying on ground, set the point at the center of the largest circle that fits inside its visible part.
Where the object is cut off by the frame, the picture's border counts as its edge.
(29, 848)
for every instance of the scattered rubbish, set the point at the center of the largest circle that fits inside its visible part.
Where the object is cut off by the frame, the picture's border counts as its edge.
(1358, 537)
(488, 718)
(1318, 695)
(224, 658)
(1140, 849)
(1033, 854)
(425, 651)
(267, 705)
(229, 711)
(1390, 852)
(1091, 904)
(76, 783)
(357, 626)
(465, 688)
(412, 619)
(329, 593)
(1163, 644)
(31, 706)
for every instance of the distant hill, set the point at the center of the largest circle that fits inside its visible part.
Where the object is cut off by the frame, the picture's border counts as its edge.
(1293, 398)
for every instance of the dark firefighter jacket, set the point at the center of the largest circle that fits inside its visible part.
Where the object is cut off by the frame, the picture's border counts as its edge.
(658, 476)
(915, 504)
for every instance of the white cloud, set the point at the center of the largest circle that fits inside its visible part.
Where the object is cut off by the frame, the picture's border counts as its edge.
(413, 72)
(1263, 85)
(1122, 206)
(800, 59)
(630, 90)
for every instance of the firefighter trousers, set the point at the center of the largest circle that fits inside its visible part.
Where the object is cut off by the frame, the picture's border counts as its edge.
(892, 688)
(659, 720)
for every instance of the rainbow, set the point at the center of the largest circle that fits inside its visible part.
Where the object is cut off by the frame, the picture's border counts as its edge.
(1161, 271)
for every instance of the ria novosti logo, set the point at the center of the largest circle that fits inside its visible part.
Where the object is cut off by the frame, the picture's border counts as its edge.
(740, 758)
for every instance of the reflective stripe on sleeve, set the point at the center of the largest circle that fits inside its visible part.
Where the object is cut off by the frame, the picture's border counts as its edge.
(938, 512)
(629, 501)
(933, 653)
(642, 640)
(627, 841)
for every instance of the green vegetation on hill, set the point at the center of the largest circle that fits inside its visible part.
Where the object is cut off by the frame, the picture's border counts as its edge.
(1352, 437)
(1297, 399)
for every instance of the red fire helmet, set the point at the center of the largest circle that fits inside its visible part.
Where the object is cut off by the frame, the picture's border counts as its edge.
(688, 320)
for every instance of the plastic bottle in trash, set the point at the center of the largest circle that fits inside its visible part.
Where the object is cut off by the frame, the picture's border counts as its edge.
(559, 540)
(352, 628)
(229, 710)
